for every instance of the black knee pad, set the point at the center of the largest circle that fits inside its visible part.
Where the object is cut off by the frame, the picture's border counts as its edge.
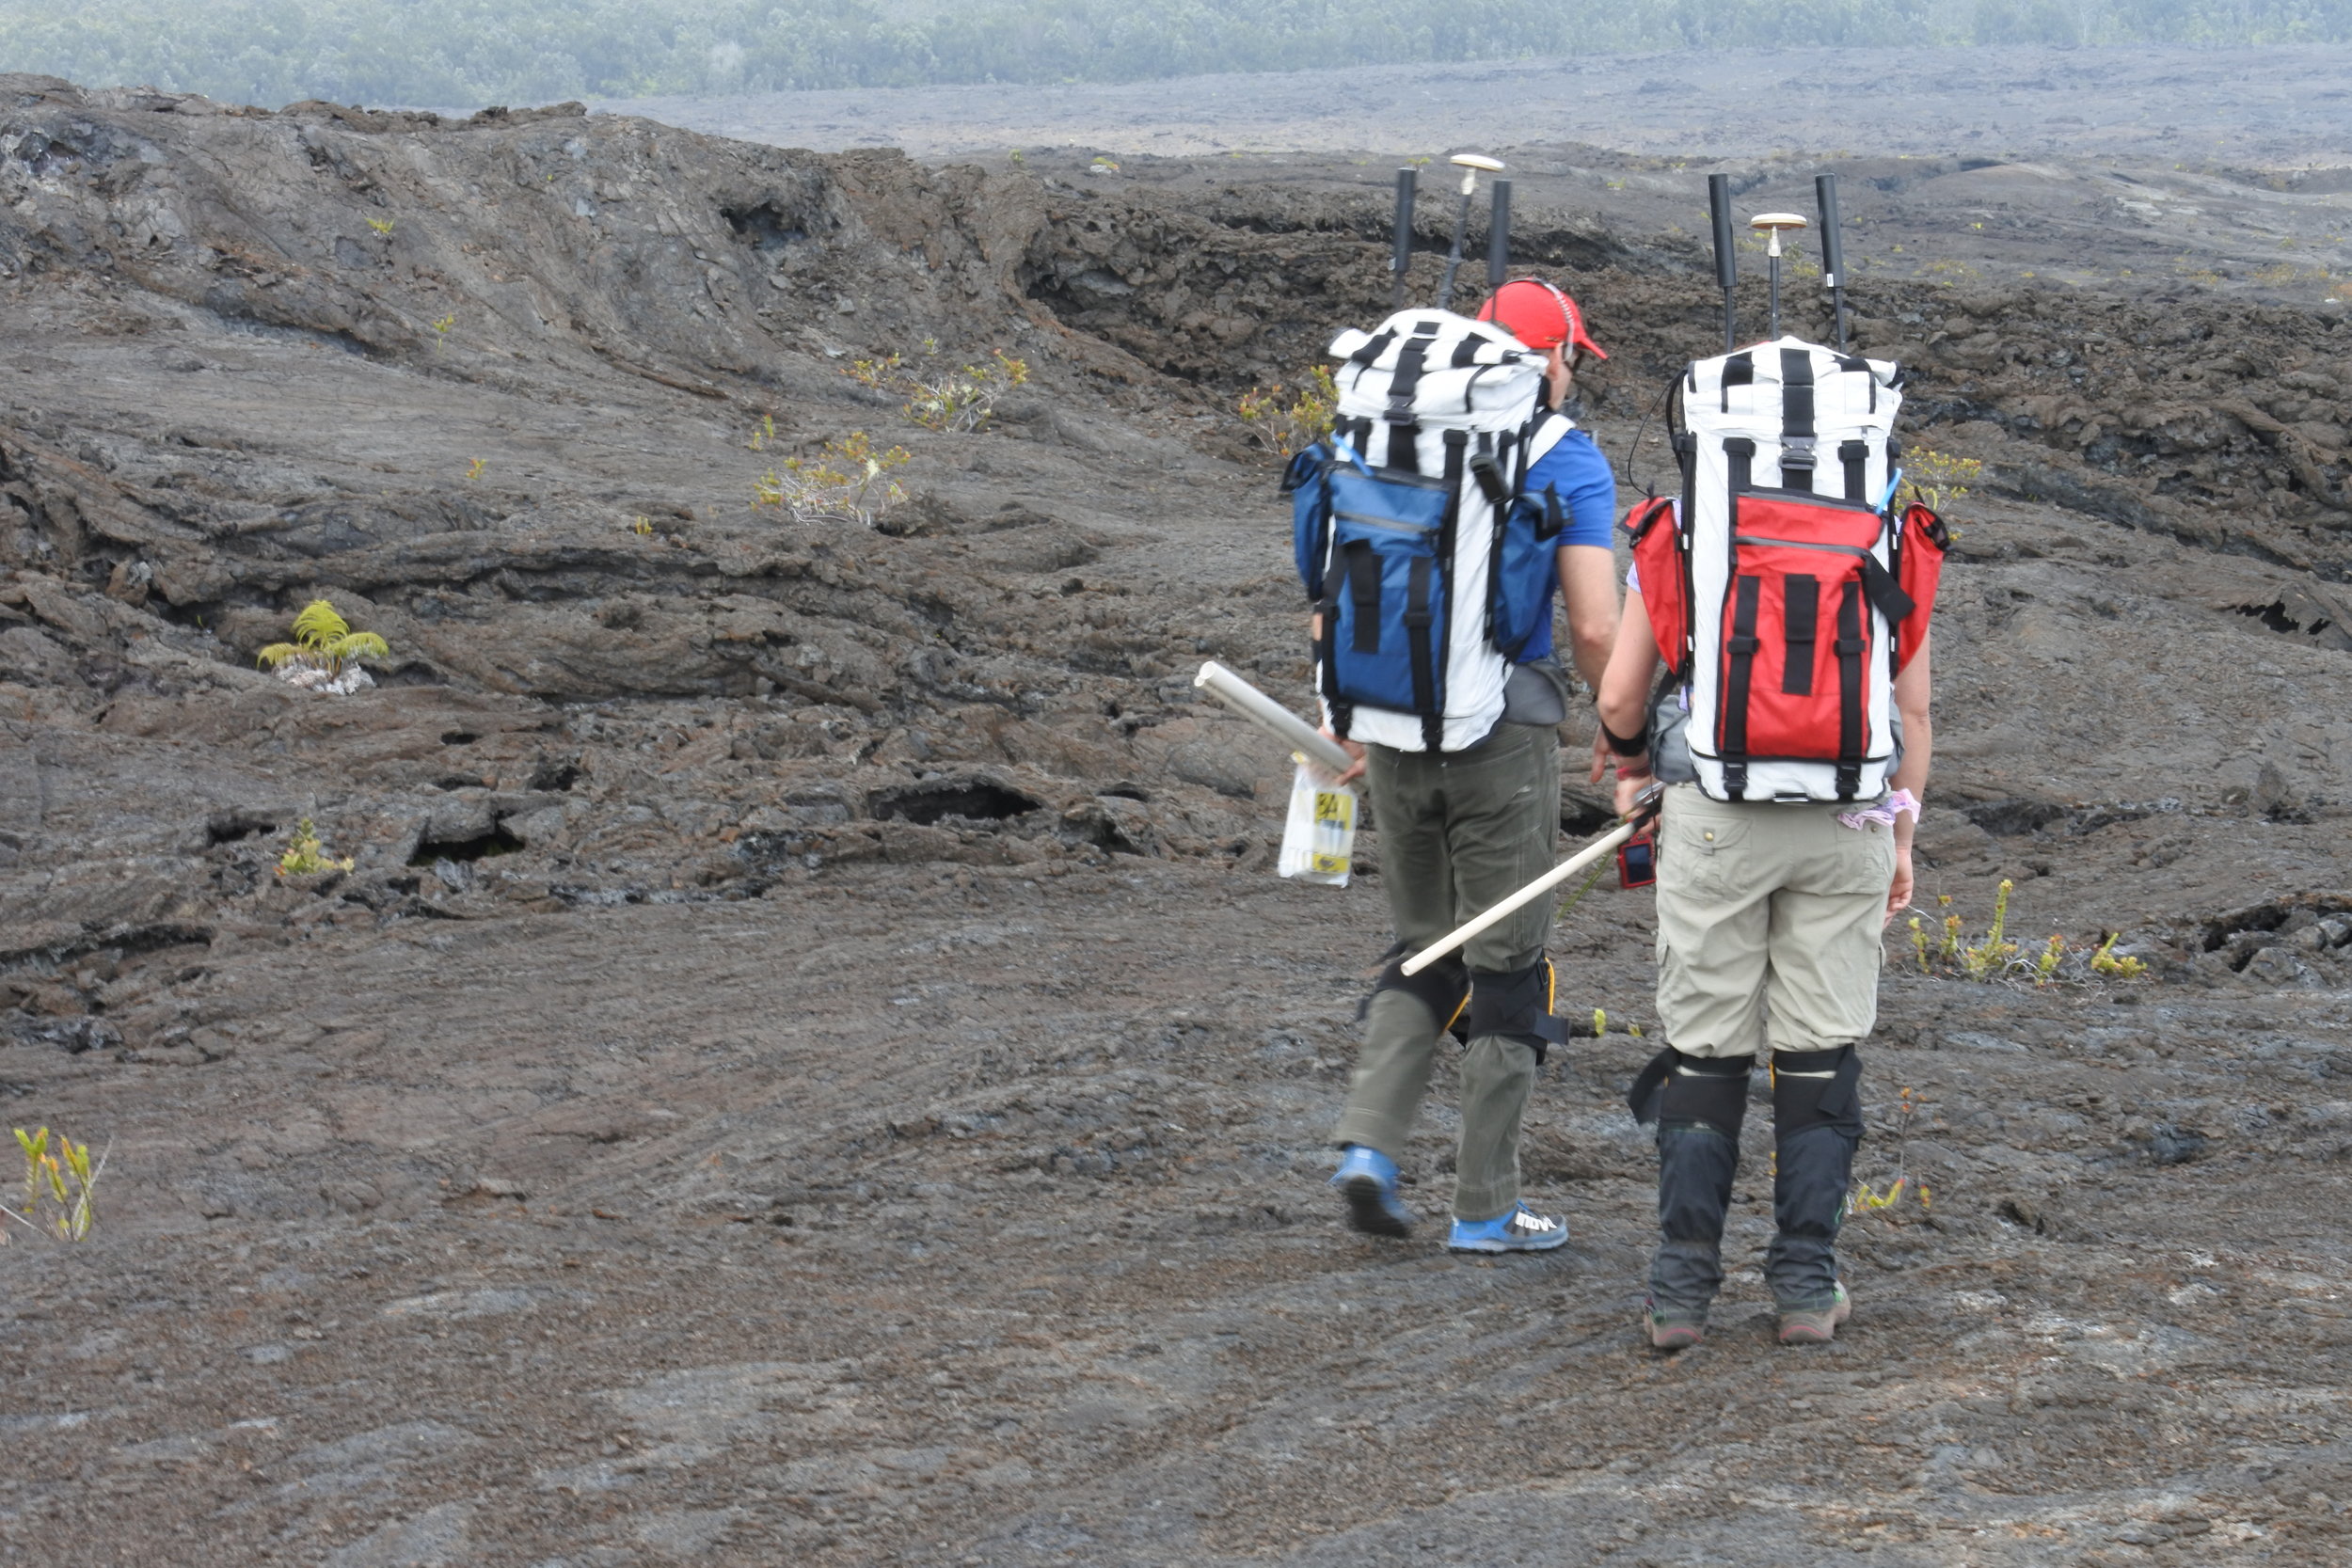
(1516, 1004)
(1817, 1089)
(1677, 1087)
(1443, 988)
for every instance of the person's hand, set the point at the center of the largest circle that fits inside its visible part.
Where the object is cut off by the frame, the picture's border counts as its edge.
(1354, 748)
(1633, 776)
(1600, 753)
(1898, 894)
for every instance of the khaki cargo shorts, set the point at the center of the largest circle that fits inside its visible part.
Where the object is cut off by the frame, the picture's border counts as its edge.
(1769, 919)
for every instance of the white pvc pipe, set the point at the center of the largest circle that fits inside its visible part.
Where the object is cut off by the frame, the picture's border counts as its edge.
(1525, 896)
(1272, 717)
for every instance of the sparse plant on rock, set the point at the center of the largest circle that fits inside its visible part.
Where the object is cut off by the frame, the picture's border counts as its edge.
(1936, 479)
(306, 856)
(1994, 957)
(473, 470)
(1867, 1199)
(962, 397)
(847, 483)
(325, 652)
(59, 1187)
(876, 373)
(1285, 427)
(965, 398)
(2106, 964)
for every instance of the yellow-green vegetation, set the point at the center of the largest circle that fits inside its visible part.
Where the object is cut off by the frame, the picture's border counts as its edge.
(59, 1187)
(1937, 478)
(440, 332)
(2106, 965)
(323, 640)
(473, 470)
(1868, 1199)
(961, 397)
(382, 226)
(846, 482)
(641, 524)
(306, 856)
(1286, 424)
(965, 398)
(1948, 954)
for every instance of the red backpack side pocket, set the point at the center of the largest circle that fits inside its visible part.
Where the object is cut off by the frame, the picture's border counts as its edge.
(1919, 564)
(1665, 579)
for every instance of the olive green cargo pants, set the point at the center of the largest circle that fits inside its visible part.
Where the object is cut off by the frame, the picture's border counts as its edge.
(1457, 833)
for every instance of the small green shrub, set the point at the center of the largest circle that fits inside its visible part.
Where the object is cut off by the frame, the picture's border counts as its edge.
(1936, 479)
(846, 482)
(306, 856)
(59, 1187)
(1948, 954)
(1286, 425)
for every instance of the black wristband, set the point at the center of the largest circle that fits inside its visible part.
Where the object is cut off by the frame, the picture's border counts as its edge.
(1624, 745)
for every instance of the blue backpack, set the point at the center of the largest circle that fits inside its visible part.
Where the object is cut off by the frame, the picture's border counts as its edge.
(1429, 566)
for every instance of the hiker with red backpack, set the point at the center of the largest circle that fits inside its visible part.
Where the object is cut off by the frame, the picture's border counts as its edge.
(1788, 601)
(1433, 527)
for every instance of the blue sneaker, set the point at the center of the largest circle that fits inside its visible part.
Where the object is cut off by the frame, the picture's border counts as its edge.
(1367, 1179)
(1520, 1230)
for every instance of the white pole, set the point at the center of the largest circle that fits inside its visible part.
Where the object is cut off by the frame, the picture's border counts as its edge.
(1272, 717)
(1525, 896)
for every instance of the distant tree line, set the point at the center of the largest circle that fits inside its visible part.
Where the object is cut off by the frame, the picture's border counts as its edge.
(462, 53)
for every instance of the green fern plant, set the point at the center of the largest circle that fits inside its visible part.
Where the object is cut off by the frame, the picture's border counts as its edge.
(323, 640)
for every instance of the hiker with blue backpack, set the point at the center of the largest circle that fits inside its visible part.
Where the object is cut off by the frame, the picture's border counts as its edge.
(1434, 528)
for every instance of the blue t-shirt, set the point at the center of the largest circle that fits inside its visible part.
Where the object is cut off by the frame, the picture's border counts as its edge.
(1588, 495)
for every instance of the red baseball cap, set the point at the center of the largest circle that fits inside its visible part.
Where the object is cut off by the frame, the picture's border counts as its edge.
(1538, 315)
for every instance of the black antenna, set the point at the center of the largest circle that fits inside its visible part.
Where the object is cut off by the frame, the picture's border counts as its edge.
(1833, 251)
(1402, 257)
(1727, 260)
(1498, 237)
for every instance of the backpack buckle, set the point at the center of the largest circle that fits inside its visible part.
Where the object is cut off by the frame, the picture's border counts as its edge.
(1796, 452)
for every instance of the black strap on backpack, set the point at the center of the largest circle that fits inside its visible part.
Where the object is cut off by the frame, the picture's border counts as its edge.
(1403, 384)
(1850, 716)
(1739, 371)
(1739, 456)
(1855, 456)
(1423, 584)
(1855, 362)
(1797, 429)
(1800, 610)
(1742, 645)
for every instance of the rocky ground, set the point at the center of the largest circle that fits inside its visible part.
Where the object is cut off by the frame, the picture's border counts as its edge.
(810, 1061)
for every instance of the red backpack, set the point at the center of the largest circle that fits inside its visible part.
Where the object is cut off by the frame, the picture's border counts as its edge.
(1783, 590)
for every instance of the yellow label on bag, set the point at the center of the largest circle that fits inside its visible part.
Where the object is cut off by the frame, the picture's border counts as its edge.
(1336, 807)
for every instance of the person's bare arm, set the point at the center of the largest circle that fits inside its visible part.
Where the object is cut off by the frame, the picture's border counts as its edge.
(1913, 689)
(1623, 689)
(1588, 587)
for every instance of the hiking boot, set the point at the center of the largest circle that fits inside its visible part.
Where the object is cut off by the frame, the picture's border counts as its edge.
(1520, 1230)
(1672, 1330)
(1817, 1327)
(1367, 1179)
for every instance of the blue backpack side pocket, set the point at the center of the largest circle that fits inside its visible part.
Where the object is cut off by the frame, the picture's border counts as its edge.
(1307, 483)
(1525, 561)
(1386, 640)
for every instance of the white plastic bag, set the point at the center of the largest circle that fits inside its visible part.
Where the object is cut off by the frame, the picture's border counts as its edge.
(1319, 839)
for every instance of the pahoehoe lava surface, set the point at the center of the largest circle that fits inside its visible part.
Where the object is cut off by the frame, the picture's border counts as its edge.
(810, 1062)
